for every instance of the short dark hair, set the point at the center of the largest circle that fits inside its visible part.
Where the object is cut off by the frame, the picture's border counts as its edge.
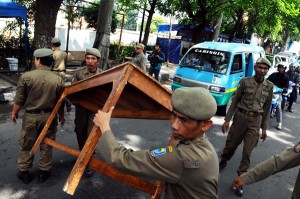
(57, 44)
(46, 61)
(158, 44)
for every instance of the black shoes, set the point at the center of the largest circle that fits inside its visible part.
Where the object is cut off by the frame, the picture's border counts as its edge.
(289, 110)
(88, 172)
(43, 176)
(24, 176)
(239, 192)
(222, 164)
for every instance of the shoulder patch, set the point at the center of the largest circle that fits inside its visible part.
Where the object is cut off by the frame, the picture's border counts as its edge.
(297, 148)
(160, 151)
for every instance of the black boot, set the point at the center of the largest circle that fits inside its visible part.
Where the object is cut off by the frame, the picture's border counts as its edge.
(43, 176)
(239, 192)
(88, 172)
(24, 176)
(222, 164)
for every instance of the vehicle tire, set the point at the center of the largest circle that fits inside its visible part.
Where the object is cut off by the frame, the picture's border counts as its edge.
(222, 110)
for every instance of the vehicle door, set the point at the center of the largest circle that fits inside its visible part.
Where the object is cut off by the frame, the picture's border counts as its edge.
(237, 71)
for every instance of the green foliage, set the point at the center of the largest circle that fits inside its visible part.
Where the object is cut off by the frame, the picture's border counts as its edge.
(88, 12)
(157, 20)
(125, 51)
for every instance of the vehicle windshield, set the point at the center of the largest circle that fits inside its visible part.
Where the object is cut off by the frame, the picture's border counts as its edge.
(208, 60)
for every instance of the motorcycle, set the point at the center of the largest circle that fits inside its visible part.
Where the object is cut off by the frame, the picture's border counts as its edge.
(286, 95)
(275, 100)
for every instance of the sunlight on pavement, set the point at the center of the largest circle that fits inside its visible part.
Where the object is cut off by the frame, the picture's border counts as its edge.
(8, 192)
(279, 136)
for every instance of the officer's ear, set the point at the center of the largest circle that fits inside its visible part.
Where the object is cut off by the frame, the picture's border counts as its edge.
(205, 125)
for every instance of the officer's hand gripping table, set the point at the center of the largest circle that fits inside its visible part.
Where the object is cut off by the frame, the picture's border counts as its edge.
(134, 94)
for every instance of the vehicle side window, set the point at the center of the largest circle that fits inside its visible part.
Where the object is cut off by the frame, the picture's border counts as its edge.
(237, 64)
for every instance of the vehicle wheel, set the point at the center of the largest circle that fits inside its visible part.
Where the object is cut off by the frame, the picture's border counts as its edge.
(222, 110)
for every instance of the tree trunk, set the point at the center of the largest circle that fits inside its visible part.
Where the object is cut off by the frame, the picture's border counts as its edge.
(149, 20)
(102, 40)
(240, 14)
(45, 20)
(217, 28)
(286, 39)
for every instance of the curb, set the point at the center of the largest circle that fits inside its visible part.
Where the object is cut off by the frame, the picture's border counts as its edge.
(6, 78)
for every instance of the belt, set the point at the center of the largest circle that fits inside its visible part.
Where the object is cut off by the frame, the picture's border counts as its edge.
(39, 111)
(59, 70)
(249, 113)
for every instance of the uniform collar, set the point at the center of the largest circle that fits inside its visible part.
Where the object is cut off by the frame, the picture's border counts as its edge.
(264, 82)
(43, 68)
(86, 71)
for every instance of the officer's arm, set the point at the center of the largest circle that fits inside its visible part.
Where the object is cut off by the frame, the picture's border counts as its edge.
(285, 160)
(165, 164)
(143, 62)
(161, 164)
(236, 98)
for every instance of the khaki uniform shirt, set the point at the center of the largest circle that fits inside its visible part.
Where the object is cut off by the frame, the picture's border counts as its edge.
(140, 60)
(285, 160)
(39, 89)
(83, 73)
(60, 58)
(190, 169)
(253, 96)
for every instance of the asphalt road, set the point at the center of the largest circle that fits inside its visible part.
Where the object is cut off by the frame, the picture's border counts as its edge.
(141, 134)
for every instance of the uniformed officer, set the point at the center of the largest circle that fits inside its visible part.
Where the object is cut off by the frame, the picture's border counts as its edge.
(37, 92)
(140, 58)
(190, 166)
(59, 64)
(84, 117)
(60, 58)
(286, 160)
(251, 105)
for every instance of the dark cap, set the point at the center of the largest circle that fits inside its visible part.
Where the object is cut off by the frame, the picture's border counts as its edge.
(93, 51)
(55, 40)
(43, 52)
(280, 65)
(194, 102)
(263, 60)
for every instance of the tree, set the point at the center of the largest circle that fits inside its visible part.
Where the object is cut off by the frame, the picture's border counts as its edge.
(45, 19)
(102, 40)
(88, 12)
(157, 20)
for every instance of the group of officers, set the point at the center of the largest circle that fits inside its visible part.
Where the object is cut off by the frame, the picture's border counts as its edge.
(190, 167)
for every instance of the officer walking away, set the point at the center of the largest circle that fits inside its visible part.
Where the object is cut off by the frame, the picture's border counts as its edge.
(60, 58)
(251, 103)
(84, 117)
(190, 166)
(281, 80)
(140, 58)
(59, 64)
(37, 92)
(156, 58)
(293, 77)
(287, 159)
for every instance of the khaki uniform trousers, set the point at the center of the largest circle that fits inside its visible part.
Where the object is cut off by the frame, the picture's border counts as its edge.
(83, 124)
(31, 128)
(245, 129)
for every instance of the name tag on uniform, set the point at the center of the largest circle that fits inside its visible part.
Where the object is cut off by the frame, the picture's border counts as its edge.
(160, 151)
